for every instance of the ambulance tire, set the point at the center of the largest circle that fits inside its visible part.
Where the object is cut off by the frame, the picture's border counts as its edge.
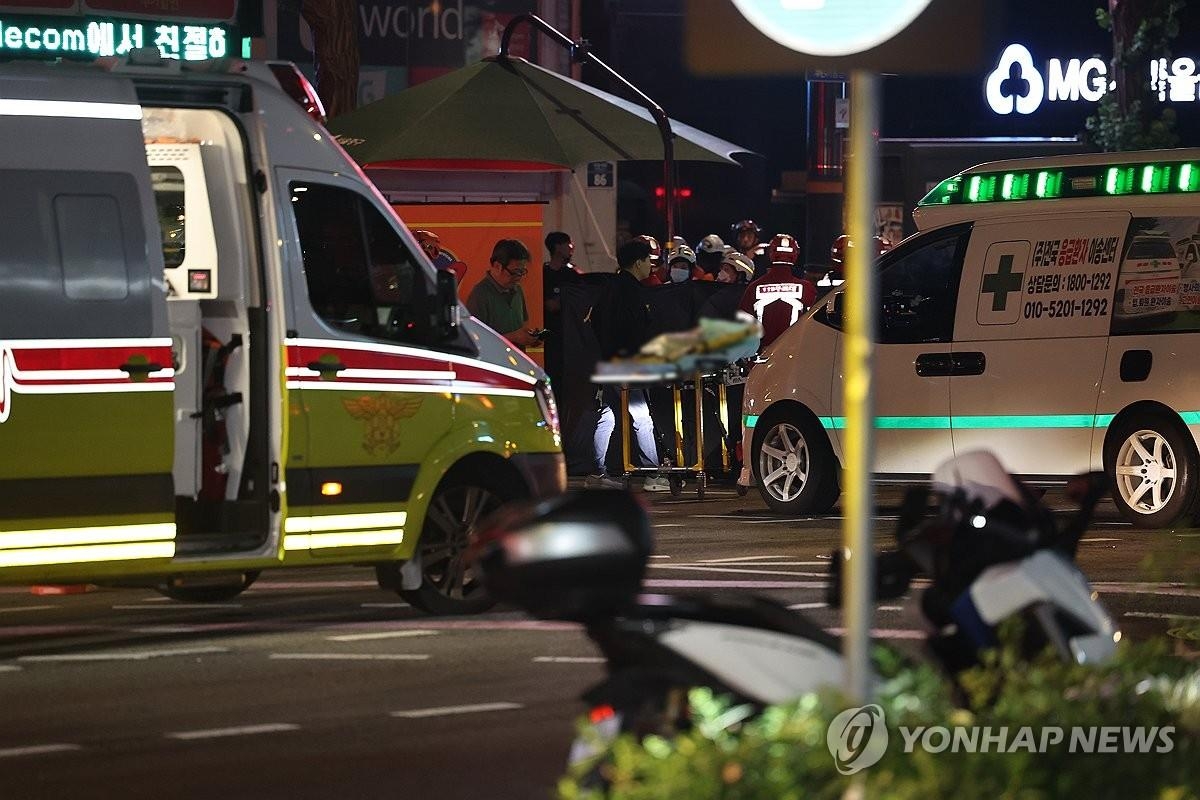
(448, 585)
(1144, 495)
(808, 486)
(216, 593)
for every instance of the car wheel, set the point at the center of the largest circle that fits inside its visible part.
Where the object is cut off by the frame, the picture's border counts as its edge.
(1151, 464)
(449, 583)
(794, 465)
(178, 588)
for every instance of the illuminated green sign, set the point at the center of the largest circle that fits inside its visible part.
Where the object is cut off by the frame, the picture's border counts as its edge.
(88, 37)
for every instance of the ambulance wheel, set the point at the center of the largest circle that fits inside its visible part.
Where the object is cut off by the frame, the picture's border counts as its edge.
(177, 589)
(449, 584)
(1151, 463)
(793, 463)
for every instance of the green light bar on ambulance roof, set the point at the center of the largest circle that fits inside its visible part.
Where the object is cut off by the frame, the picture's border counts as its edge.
(1050, 184)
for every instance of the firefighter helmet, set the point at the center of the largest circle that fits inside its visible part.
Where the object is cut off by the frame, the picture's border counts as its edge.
(783, 249)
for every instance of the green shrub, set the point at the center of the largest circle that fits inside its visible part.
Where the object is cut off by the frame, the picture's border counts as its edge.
(782, 754)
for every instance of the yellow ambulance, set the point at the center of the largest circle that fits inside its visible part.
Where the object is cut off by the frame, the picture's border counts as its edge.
(222, 352)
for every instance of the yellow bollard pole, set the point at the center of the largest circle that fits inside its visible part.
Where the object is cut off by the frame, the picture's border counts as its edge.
(861, 294)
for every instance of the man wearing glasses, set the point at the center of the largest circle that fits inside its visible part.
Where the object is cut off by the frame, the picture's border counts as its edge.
(497, 300)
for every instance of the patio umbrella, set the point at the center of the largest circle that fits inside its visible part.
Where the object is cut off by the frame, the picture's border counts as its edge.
(506, 113)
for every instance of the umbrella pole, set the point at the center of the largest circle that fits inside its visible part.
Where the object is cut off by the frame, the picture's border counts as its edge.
(581, 54)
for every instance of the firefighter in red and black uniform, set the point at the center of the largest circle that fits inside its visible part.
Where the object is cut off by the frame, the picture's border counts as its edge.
(778, 298)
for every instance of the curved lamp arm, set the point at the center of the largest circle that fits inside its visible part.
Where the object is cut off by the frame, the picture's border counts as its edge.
(581, 54)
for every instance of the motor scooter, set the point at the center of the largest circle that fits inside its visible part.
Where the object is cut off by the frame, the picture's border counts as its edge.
(990, 550)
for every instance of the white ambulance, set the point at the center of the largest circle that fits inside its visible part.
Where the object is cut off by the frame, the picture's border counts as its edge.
(222, 352)
(1040, 312)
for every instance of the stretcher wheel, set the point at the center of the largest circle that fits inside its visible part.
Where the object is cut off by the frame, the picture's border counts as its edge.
(742, 490)
(676, 487)
(701, 485)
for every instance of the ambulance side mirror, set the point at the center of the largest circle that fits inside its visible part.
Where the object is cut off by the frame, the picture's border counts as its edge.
(835, 310)
(447, 305)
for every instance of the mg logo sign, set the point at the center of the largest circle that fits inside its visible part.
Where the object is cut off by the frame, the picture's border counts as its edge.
(1016, 85)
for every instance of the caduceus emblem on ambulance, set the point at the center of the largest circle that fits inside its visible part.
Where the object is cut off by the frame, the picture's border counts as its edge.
(381, 417)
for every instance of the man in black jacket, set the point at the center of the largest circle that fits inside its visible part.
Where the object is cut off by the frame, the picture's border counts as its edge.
(623, 325)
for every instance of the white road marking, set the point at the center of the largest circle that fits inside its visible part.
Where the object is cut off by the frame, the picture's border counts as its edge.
(130, 655)
(9, 668)
(806, 606)
(179, 606)
(703, 568)
(363, 637)
(568, 659)
(156, 600)
(657, 583)
(1156, 615)
(1100, 540)
(244, 730)
(889, 608)
(386, 605)
(24, 608)
(885, 633)
(1163, 589)
(658, 556)
(351, 656)
(668, 524)
(445, 711)
(732, 560)
(764, 563)
(38, 750)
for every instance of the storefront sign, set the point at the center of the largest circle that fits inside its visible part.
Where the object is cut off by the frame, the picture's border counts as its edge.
(1018, 86)
(85, 37)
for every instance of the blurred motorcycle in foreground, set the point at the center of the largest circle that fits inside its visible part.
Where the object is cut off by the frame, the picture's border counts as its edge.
(990, 550)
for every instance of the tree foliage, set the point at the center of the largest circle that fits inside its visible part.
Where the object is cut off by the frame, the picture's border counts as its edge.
(1141, 31)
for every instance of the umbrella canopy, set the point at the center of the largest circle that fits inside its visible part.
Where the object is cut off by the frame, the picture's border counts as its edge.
(506, 113)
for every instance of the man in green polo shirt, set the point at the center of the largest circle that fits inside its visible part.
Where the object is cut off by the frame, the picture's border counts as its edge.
(497, 300)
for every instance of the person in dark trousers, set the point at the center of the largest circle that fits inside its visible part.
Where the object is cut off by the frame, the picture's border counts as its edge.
(497, 300)
(624, 322)
(556, 273)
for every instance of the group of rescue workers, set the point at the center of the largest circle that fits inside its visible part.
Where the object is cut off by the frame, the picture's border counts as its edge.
(778, 289)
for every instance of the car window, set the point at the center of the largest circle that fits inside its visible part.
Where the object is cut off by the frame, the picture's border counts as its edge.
(918, 289)
(1158, 280)
(360, 274)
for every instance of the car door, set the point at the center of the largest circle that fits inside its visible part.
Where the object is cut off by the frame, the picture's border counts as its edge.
(368, 401)
(1032, 337)
(86, 378)
(913, 355)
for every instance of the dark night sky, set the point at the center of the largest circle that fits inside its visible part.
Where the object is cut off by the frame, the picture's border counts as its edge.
(643, 39)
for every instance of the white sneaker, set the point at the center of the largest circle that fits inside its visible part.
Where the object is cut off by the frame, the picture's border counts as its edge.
(656, 484)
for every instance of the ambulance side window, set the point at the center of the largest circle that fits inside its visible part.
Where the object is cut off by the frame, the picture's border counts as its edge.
(1158, 278)
(168, 198)
(919, 290)
(361, 277)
